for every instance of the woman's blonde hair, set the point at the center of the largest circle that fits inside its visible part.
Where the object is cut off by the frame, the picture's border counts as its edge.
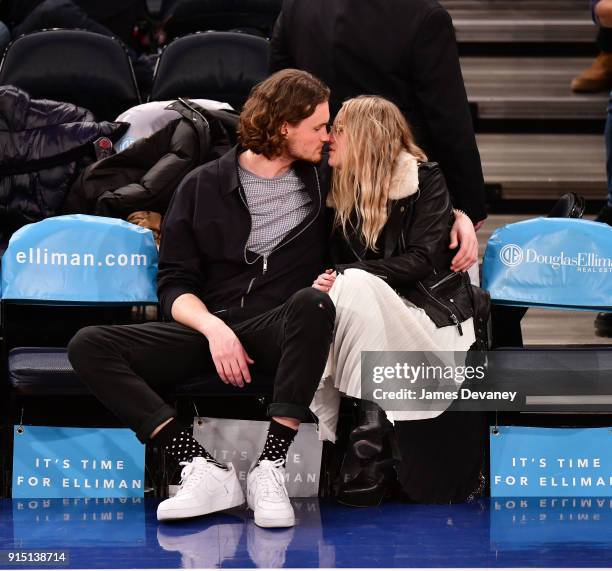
(375, 133)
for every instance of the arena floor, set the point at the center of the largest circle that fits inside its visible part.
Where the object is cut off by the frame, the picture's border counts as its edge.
(496, 533)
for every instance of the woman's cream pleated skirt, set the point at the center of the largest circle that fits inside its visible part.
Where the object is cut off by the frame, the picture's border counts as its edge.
(371, 316)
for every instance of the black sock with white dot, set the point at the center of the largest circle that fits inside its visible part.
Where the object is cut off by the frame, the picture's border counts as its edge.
(180, 444)
(278, 441)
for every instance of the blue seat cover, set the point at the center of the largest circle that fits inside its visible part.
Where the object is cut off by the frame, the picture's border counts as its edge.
(550, 262)
(80, 259)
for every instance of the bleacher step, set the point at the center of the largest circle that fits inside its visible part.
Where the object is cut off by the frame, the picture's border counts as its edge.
(544, 166)
(529, 88)
(478, 21)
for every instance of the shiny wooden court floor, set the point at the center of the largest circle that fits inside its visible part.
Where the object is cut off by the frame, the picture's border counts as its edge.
(492, 533)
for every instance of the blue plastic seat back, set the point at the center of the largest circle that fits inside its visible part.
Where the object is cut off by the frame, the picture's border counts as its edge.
(80, 259)
(549, 262)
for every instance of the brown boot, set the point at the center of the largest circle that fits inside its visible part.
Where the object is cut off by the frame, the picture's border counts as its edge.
(598, 77)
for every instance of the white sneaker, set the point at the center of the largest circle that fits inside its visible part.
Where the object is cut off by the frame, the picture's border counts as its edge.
(205, 488)
(267, 495)
(205, 549)
(268, 549)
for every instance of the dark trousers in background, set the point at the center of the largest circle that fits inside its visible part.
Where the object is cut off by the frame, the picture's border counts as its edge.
(123, 365)
(608, 139)
(604, 39)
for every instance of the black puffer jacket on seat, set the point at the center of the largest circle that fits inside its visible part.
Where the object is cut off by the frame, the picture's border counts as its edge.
(43, 146)
(145, 175)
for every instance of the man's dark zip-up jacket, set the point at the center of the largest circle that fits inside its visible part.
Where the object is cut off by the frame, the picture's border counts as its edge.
(203, 249)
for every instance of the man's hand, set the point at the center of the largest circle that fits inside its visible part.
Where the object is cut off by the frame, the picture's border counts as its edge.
(325, 281)
(231, 360)
(463, 234)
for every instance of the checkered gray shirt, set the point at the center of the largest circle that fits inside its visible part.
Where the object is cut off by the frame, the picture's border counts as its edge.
(277, 205)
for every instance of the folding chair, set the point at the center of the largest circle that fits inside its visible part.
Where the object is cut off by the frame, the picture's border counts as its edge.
(67, 272)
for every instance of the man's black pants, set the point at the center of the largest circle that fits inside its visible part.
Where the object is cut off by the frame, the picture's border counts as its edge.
(123, 364)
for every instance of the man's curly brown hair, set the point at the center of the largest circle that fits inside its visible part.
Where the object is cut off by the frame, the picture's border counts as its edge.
(290, 95)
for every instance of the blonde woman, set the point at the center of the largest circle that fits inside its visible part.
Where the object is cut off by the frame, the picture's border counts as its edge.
(392, 275)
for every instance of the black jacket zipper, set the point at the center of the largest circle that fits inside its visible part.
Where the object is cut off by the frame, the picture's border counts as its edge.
(443, 280)
(452, 315)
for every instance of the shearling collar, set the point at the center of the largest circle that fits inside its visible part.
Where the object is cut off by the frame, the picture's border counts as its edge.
(404, 180)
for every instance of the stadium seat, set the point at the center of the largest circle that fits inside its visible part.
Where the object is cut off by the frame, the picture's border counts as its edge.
(59, 275)
(223, 66)
(551, 263)
(187, 16)
(46, 371)
(506, 320)
(81, 67)
(67, 272)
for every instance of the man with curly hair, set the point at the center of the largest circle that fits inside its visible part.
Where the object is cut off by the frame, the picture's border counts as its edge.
(243, 239)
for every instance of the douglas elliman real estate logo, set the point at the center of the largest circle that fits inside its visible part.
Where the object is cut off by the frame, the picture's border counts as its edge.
(513, 255)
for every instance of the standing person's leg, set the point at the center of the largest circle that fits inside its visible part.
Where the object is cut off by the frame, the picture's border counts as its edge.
(605, 215)
(603, 321)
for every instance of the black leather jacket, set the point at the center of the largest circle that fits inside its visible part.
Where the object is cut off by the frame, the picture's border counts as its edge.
(414, 257)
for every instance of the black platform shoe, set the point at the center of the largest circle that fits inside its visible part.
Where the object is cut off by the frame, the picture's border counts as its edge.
(368, 468)
(367, 438)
